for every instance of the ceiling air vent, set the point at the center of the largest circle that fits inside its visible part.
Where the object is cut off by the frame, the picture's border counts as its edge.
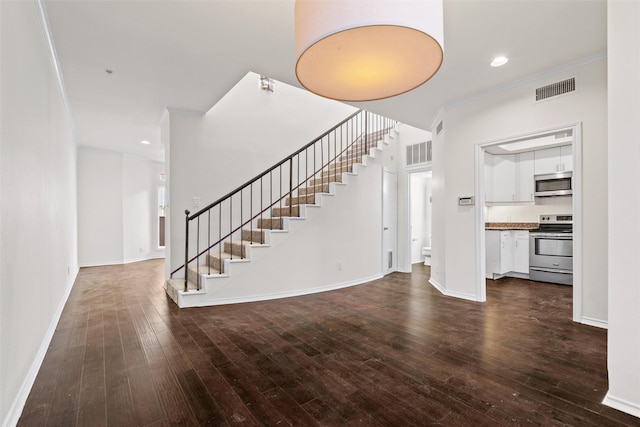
(439, 128)
(555, 89)
(419, 153)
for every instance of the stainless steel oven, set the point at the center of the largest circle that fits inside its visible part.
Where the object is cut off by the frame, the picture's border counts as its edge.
(551, 250)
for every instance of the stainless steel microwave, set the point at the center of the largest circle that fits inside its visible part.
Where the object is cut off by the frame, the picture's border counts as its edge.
(553, 184)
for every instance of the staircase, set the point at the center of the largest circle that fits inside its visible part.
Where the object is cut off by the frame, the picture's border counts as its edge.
(260, 230)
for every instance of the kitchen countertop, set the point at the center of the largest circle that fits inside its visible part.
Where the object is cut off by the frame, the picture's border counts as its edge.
(511, 225)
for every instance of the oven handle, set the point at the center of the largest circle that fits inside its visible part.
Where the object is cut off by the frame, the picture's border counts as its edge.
(551, 270)
(550, 236)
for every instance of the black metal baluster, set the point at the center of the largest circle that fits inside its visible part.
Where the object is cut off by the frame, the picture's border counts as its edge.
(241, 225)
(280, 192)
(220, 237)
(198, 255)
(186, 250)
(290, 180)
(231, 226)
(208, 240)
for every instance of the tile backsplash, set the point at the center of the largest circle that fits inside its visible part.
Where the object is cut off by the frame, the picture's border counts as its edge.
(528, 212)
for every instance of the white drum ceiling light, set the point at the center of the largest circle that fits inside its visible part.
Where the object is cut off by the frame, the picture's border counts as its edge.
(362, 50)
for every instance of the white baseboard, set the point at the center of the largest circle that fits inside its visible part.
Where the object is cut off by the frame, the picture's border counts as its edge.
(594, 322)
(13, 415)
(278, 295)
(122, 262)
(622, 405)
(443, 291)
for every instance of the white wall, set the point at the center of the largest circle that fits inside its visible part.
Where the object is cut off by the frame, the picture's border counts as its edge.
(502, 115)
(99, 207)
(408, 135)
(117, 207)
(38, 250)
(624, 206)
(245, 133)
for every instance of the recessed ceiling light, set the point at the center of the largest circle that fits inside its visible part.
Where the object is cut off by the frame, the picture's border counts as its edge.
(145, 142)
(499, 61)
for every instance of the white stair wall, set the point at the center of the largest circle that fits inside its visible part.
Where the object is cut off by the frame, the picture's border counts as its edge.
(335, 243)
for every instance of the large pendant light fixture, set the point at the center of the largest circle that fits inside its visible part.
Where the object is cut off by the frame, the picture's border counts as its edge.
(362, 50)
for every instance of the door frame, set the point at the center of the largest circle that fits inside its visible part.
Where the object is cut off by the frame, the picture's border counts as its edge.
(481, 287)
(419, 169)
(383, 260)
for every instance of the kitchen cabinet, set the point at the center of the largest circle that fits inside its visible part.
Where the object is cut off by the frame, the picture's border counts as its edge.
(499, 252)
(552, 160)
(520, 251)
(509, 177)
(507, 251)
(524, 177)
(504, 178)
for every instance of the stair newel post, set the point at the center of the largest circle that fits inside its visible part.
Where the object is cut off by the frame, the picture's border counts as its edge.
(186, 250)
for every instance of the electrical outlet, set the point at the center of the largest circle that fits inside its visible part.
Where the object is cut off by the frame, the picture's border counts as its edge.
(339, 266)
(195, 202)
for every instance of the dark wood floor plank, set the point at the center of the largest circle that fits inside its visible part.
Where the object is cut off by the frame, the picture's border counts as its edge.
(391, 352)
(92, 405)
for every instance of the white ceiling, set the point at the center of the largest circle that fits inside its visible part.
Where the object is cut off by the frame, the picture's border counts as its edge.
(187, 54)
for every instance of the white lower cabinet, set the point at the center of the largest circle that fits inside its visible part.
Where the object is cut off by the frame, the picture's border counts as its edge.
(521, 251)
(507, 251)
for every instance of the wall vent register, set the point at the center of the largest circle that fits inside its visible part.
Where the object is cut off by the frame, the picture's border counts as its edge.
(555, 89)
(419, 153)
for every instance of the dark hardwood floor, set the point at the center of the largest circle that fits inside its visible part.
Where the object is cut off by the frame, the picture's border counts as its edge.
(393, 352)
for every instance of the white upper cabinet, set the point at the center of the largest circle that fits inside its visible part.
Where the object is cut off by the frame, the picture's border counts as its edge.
(504, 178)
(552, 160)
(509, 177)
(524, 177)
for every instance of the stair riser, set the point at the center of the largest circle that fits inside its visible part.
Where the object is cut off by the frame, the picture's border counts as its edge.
(337, 170)
(312, 190)
(344, 163)
(234, 248)
(326, 179)
(255, 236)
(216, 263)
(302, 200)
(270, 223)
(291, 211)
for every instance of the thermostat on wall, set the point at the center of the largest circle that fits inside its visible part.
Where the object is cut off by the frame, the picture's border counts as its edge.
(465, 201)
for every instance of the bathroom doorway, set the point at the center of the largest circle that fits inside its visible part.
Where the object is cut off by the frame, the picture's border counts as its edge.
(420, 190)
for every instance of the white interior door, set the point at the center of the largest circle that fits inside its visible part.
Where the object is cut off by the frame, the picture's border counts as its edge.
(389, 222)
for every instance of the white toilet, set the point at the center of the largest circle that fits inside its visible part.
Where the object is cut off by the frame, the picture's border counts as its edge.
(426, 251)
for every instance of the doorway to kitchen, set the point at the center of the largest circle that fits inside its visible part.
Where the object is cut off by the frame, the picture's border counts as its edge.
(507, 174)
(420, 208)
